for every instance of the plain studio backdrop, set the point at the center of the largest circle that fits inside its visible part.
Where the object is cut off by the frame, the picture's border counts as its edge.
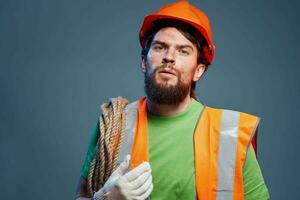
(61, 59)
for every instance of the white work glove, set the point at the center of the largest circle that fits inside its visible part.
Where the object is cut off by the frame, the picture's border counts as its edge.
(123, 185)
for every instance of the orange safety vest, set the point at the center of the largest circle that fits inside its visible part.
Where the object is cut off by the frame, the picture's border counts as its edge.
(221, 140)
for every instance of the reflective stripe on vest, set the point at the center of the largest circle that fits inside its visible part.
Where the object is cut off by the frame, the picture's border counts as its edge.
(227, 155)
(221, 140)
(130, 120)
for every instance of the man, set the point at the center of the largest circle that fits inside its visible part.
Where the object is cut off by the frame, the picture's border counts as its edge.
(168, 145)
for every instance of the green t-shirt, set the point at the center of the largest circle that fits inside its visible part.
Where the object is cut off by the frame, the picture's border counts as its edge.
(171, 141)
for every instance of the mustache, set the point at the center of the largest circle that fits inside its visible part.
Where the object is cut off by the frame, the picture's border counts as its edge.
(166, 67)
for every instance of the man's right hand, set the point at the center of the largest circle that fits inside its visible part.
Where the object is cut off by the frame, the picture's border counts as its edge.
(135, 184)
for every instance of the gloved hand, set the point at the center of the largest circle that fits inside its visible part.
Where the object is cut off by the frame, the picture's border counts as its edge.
(135, 184)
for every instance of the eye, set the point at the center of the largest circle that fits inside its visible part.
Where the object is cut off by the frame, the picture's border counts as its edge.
(158, 47)
(184, 52)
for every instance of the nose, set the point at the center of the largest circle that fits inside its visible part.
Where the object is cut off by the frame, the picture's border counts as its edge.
(169, 57)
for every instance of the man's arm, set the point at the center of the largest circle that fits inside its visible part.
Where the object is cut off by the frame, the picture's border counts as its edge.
(137, 183)
(122, 184)
(81, 191)
(254, 185)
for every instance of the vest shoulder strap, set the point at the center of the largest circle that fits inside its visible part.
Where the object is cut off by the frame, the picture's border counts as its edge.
(126, 141)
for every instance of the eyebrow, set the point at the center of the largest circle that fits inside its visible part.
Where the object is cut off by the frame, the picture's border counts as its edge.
(177, 46)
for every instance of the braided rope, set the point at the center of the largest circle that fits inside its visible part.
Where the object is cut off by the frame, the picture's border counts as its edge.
(111, 125)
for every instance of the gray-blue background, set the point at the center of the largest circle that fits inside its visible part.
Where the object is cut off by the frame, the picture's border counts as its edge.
(60, 59)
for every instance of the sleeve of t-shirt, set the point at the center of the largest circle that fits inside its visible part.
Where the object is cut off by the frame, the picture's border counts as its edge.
(91, 151)
(254, 185)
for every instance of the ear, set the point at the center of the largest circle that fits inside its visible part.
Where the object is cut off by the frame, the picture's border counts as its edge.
(198, 72)
(143, 64)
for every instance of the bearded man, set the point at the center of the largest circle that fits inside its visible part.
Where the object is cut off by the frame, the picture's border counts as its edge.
(168, 145)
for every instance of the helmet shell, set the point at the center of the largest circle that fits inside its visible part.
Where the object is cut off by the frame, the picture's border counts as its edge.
(185, 12)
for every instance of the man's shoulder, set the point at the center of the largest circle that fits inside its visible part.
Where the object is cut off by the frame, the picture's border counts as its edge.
(229, 111)
(123, 100)
(115, 102)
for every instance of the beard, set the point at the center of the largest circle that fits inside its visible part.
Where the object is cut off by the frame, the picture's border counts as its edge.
(164, 93)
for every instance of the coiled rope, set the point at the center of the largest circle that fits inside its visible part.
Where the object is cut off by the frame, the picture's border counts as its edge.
(112, 126)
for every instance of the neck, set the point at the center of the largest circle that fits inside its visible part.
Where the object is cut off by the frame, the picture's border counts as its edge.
(168, 110)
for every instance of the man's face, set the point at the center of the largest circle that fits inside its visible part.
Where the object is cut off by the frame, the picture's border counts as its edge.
(170, 67)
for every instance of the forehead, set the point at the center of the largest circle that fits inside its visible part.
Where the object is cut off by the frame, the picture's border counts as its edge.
(172, 36)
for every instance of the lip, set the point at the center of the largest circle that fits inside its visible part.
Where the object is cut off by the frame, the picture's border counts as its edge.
(167, 72)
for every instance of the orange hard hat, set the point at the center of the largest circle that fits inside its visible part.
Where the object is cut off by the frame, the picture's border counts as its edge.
(185, 12)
